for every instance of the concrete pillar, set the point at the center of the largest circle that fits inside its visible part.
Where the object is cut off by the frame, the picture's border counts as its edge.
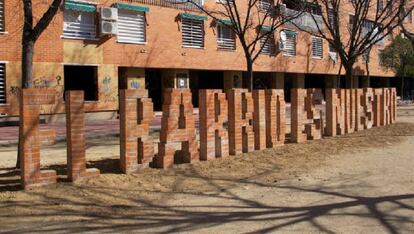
(233, 79)
(277, 80)
(298, 81)
(331, 82)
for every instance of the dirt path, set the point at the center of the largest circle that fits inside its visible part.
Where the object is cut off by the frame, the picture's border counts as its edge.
(359, 183)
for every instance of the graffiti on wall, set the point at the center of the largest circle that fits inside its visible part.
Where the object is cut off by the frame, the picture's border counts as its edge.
(108, 95)
(42, 83)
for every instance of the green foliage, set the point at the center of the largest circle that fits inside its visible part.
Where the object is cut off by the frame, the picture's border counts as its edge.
(399, 57)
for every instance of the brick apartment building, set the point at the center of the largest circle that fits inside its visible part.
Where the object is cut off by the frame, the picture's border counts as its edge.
(158, 44)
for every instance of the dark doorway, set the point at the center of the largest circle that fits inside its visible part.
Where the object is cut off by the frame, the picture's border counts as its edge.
(288, 83)
(82, 78)
(154, 86)
(205, 80)
(315, 81)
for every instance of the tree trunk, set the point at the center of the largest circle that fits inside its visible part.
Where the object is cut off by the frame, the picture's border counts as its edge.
(249, 74)
(349, 77)
(27, 79)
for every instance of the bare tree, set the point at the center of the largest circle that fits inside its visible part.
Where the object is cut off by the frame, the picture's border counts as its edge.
(353, 27)
(32, 32)
(254, 23)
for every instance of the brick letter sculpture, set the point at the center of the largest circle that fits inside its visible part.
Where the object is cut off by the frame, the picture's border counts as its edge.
(367, 117)
(314, 126)
(359, 109)
(377, 107)
(214, 140)
(136, 114)
(306, 121)
(75, 128)
(177, 126)
(298, 115)
(275, 117)
(349, 110)
(259, 119)
(393, 104)
(241, 135)
(30, 138)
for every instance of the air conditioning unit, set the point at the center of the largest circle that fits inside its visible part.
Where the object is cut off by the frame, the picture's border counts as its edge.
(109, 27)
(109, 13)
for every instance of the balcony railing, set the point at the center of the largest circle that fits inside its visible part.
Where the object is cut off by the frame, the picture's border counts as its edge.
(177, 4)
(305, 21)
(226, 44)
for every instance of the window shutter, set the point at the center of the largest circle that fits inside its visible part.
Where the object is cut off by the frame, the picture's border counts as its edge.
(79, 24)
(268, 46)
(2, 83)
(2, 16)
(289, 46)
(131, 26)
(317, 47)
(192, 33)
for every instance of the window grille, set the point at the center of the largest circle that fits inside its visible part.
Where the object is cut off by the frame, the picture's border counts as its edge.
(317, 47)
(2, 16)
(289, 46)
(225, 38)
(131, 26)
(192, 33)
(2, 83)
(79, 24)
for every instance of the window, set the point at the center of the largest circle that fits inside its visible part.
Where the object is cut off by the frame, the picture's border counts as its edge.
(2, 83)
(2, 16)
(265, 5)
(225, 37)
(192, 33)
(79, 24)
(131, 26)
(289, 46)
(317, 47)
(268, 45)
(82, 78)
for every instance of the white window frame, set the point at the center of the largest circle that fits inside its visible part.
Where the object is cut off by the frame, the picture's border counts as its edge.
(224, 43)
(3, 94)
(70, 28)
(292, 42)
(131, 30)
(192, 33)
(2, 17)
(317, 48)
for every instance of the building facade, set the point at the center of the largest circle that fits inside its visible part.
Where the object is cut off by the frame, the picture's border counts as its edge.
(157, 44)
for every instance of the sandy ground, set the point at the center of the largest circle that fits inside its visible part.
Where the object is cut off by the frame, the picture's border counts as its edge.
(358, 183)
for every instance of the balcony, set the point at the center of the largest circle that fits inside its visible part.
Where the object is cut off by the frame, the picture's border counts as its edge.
(176, 4)
(305, 21)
